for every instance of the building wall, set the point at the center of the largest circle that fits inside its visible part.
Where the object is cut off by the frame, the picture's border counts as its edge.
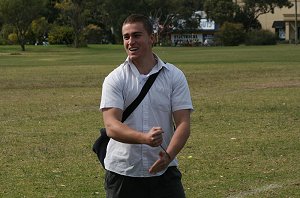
(284, 14)
(186, 39)
(267, 19)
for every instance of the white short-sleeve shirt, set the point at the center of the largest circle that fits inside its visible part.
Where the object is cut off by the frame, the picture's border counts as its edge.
(168, 93)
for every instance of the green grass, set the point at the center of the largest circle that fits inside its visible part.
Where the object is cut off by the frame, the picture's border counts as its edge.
(245, 129)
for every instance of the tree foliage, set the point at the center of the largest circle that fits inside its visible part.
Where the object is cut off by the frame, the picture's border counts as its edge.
(75, 12)
(252, 9)
(220, 10)
(101, 20)
(248, 19)
(20, 14)
(231, 34)
(247, 13)
(163, 13)
(259, 7)
(61, 35)
(39, 28)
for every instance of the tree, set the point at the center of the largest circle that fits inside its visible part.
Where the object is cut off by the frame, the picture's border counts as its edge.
(117, 10)
(252, 9)
(75, 12)
(39, 28)
(231, 34)
(248, 20)
(99, 22)
(51, 13)
(173, 14)
(184, 11)
(1, 22)
(220, 10)
(259, 7)
(109, 14)
(20, 14)
(163, 14)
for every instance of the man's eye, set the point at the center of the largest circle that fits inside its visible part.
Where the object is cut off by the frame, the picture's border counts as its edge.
(125, 37)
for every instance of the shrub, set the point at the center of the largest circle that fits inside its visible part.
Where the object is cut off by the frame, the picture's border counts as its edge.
(260, 37)
(39, 29)
(61, 35)
(13, 38)
(94, 34)
(2, 41)
(6, 30)
(231, 34)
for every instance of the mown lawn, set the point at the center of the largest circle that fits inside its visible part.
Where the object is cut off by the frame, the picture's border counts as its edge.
(245, 138)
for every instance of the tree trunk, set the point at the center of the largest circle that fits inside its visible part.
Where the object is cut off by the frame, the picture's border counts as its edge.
(22, 41)
(23, 47)
(76, 39)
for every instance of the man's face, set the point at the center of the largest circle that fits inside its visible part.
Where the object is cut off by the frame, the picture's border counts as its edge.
(137, 42)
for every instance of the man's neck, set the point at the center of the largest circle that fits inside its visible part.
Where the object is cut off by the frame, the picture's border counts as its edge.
(146, 64)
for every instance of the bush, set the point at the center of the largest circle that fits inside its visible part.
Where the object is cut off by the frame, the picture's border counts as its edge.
(13, 38)
(2, 41)
(39, 30)
(61, 35)
(95, 34)
(231, 34)
(4, 33)
(260, 37)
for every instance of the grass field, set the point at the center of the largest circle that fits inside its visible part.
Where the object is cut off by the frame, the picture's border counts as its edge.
(245, 138)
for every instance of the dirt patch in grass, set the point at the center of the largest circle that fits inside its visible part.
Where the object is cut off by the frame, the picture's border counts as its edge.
(279, 84)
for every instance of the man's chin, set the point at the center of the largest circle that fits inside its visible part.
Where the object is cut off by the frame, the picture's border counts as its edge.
(133, 57)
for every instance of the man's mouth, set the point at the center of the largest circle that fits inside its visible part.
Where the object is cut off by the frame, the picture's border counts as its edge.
(133, 49)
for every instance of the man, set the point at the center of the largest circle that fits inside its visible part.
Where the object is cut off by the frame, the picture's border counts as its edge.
(141, 155)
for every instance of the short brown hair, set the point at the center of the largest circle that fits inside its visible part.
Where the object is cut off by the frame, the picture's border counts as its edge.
(139, 18)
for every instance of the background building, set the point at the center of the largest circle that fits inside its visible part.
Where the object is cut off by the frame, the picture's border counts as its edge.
(281, 22)
(202, 35)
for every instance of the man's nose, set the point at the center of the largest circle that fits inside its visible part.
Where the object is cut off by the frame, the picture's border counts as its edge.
(131, 40)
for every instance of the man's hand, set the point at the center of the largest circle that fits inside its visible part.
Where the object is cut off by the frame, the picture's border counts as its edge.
(161, 164)
(154, 137)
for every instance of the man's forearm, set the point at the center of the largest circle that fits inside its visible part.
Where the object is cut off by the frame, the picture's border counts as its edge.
(178, 140)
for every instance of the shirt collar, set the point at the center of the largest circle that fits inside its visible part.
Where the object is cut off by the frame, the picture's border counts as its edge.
(155, 69)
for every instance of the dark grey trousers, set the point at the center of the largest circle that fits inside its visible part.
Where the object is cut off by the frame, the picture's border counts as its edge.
(167, 185)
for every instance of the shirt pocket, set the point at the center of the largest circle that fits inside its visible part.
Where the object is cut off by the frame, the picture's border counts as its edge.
(161, 99)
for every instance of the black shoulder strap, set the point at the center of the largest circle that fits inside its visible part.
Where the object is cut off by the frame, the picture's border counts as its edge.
(141, 96)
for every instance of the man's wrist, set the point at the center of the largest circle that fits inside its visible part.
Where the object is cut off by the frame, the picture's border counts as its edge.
(168, 155)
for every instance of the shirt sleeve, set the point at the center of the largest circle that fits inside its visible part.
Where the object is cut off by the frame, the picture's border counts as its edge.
(112, 94)
(181, 97)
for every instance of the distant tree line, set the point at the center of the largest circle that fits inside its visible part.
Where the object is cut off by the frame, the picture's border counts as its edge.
(80, 22)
